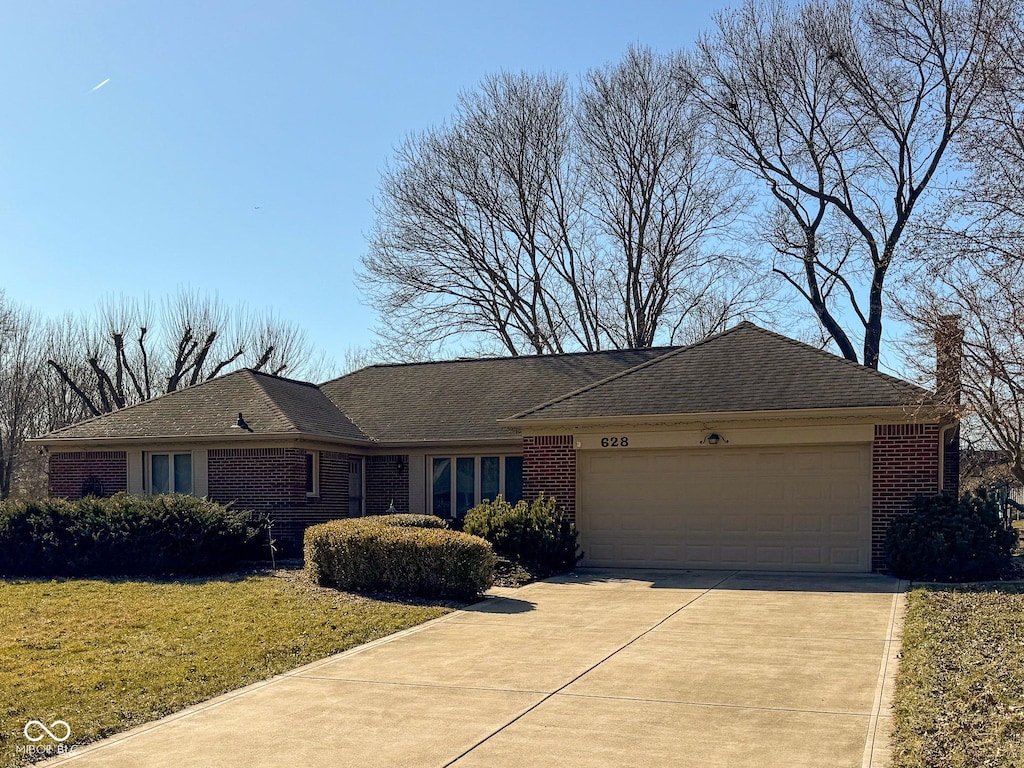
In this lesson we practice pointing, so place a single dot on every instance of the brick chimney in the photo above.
(949, 352)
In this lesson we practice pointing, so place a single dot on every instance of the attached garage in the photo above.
(745, 451)
(769, 508)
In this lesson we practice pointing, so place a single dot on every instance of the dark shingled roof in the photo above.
(743, 369)
(463, 399)
(269, 404)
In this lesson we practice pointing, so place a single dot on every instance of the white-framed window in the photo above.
(459, 483)
(312, 473)
(168, 473)
(356, 484)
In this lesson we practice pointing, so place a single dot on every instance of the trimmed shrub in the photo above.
(946, 539)
(121, 535)
(406, 520)
(539, 536)
(395, 553)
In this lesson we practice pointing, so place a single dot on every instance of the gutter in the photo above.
(876, 414)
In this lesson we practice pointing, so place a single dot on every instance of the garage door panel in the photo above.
(808, 523)
(770, 557)
(808, 556)
(794, 509)
(771, 523)
(734, 523)
(666, 554)
(770, 491)
(846, 523)
(702, 554)
(807, 461)
(770, 462)
(847, 491)
(851, 459)
(848, 556)
(734, 556)
(698, 523)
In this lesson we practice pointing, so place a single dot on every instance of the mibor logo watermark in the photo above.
(41, 731)
(56, 732)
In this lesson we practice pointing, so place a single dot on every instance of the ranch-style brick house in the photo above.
(748, 450)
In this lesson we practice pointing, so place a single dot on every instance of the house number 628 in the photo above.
(614, 442)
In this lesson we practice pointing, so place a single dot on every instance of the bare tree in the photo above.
(540, 221)
(980, 277)
(473, 218)
(21, 362)
(127, 352)
(846, 113)
(655, 192)
(988, 295)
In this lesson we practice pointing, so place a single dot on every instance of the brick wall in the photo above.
(260, 479)
(105, 470)
(549, 467)
(904, 464)
(385, 482)
(272, 481)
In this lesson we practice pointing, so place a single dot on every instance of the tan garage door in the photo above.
(765, 508)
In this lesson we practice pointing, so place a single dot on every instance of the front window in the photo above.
(355, 486)
(458, 483)
(170, 473)
(442, 487)
(312, 473)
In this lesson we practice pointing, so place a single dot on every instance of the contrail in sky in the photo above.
(96, 88)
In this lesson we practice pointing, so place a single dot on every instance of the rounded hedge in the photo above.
(539, 536)
(120, 535)
(411, 555)
(944, 538)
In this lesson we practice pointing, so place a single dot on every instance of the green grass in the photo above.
(107, 655)
(959, 699)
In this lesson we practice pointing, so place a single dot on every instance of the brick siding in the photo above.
(272, 481)
(70, 471)
(904, 464)
(549, 467)
(386, 482)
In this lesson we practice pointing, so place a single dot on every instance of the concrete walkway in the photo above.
(599, 668)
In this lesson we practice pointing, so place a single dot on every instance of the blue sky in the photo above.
(237, 146)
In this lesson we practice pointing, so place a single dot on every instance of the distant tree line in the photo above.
(59, 371)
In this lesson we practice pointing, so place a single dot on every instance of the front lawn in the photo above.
(106, 655)
(959, 698)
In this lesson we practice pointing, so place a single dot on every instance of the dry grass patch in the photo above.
(959, 699)
(107, 655)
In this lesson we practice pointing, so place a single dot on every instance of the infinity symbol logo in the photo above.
(46, 731)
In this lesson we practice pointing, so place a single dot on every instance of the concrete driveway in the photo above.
(599, 668)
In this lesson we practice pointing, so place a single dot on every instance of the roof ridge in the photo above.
(672, 352)
(666, 347)
(160, 396)
(274, 376)
(342, 411)
(273, 403)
